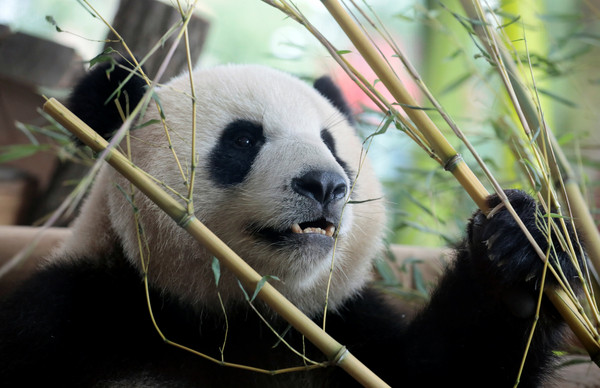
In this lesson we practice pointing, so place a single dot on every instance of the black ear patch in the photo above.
(329, 90)
(231, 159)
(89, 98)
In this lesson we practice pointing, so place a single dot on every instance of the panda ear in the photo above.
(329, 90)
(89, 100)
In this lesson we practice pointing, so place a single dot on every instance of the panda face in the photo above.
(276, 165)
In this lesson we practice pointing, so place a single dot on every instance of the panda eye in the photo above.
(244, 141)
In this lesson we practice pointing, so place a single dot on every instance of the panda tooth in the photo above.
(330, 230)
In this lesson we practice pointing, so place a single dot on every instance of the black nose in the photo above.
(322, 186)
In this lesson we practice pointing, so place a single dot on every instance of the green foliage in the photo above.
(216, 268)
(18, 151)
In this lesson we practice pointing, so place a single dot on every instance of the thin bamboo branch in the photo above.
(336, 353)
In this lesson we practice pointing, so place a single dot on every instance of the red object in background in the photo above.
(354, 95)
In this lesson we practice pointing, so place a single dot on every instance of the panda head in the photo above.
(275, 179)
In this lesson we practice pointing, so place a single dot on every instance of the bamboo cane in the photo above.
(336, 353)
(440, 145)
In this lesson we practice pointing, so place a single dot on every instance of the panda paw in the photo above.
(499, 245)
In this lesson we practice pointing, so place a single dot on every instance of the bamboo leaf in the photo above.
(425, 229)
(382, 129)
(243, 291)
(364, 201)
(537, 180)
(19, 151)
(384, 270)
(456, 83)
(566, 138)
(260, 285)
(50, 19)
(147, 123)
(157, 100)
(216, 268)
(104, 56)
(558, 98)
(29, 129)
(414, 107)
(127, 198)
(92, 14)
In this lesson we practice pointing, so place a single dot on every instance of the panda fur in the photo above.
(272, 152)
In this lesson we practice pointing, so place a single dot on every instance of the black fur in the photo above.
(84, 322)
(329, 90)
(90, 98)
(231, 159)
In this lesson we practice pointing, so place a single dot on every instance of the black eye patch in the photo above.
(231, 159)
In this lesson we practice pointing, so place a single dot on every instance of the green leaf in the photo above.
(147, 123)
(364, 201)
(537, 179)
(566, 138)
(414, 107)
(260, 285)
(18, 151)
(243, 290)
(216, 268)
(558, 98)
(385, 271)
(81, 3)
(342, 52)
(513, 20)
(456, 83)
(157, 100)
(128, 198)
(382, 129)
(104, 56)
(51, 20)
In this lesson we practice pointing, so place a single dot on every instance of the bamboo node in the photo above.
(339, 356)
(454, 161)
(185, 220)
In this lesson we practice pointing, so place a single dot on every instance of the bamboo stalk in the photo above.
(335, 352)
(440, 145)
(559, 297)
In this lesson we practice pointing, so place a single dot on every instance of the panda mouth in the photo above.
(321, 226)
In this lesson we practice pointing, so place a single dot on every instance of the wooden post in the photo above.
(142, 23)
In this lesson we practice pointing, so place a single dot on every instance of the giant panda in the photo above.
(280, 178)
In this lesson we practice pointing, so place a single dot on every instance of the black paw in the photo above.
(501, 249)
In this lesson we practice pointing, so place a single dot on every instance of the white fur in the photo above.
(292, 114)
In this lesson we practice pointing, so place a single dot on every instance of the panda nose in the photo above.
(322, 186)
